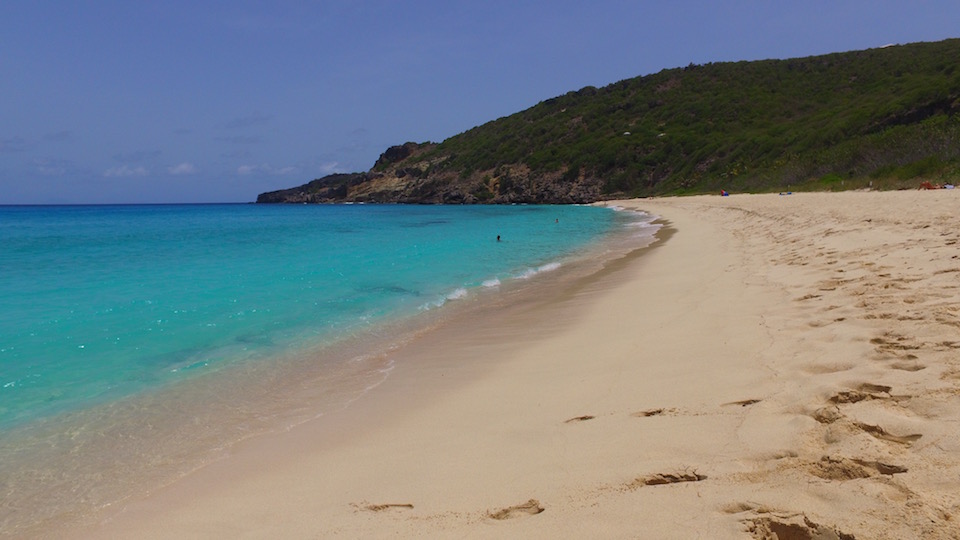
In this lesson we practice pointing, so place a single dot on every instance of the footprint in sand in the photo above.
(836, 468)
(841, 468)
(907, 366)
(583, 418)
(382, 507)
(870, 387)
(880, 316)
(661, 479)
(529, 508)
(882, 468)
(827, 415)
(865, 391)
(743, 402)
(797, 526)
(882, 434)
(655, 412)
(821, 324)
(891, 341)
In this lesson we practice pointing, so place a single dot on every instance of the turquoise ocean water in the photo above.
(100, 302)
(101, 306)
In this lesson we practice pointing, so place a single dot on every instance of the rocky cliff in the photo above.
(397, 177)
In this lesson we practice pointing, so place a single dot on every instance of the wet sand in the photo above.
(778, 365)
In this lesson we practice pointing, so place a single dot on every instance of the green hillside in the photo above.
(883, 117)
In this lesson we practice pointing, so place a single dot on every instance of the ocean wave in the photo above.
(530, 272)
(458, 294)
(648, 227)
(491, 283)
(432, 305)
(641, 225)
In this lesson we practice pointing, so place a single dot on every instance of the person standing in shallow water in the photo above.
(498, 238)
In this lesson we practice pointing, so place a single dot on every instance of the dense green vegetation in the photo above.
(880, 117)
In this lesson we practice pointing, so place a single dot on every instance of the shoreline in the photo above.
(107, 459)
(782, 363)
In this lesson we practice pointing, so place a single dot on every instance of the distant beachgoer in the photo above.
(498, 238)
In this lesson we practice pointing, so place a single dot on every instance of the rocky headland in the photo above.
(395, 178)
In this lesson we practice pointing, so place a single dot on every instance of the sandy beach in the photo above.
(775, 365)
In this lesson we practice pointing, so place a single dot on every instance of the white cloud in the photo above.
(126, 170)
(181, 169)
(329, 168)
(266, 169)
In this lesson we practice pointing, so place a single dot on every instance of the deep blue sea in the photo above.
(139, 342)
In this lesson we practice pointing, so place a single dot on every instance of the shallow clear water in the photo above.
(138, 343)
(102, 302)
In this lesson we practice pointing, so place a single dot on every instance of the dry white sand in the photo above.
(779, 365)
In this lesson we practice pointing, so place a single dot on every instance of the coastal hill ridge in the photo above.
(884, 118)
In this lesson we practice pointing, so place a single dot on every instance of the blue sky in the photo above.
(129, 102)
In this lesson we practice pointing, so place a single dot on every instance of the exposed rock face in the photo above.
(394, 179)
(327, 189)
(395, 154)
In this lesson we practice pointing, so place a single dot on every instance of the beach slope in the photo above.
(783, 365)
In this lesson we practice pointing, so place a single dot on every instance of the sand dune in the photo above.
(781, 365)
